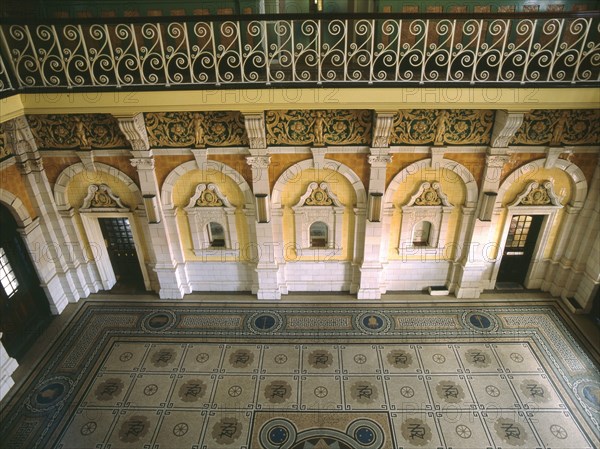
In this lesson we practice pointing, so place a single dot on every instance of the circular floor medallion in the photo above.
(159, 321)
(265, 322)
(50, 393)
(373, 322)
(480, 321)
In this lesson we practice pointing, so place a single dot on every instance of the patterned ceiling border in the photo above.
(84, 131)
(196, 129)
(556, 127)
(327, 127)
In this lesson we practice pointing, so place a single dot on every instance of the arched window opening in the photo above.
(216, 235)
(318, 235)
(421, 233)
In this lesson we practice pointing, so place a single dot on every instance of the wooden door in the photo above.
(24, 309)
(519, 247)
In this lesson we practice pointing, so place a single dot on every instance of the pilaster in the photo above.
(172, 281)
(473, 261)
(61, 272)
(371, 268)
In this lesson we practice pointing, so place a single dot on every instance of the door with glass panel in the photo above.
(24, 309)
(122, 252)
(518, 248)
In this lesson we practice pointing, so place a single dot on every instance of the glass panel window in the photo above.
(517, 233)
(7, 276)
(216, 235)
(318, 235)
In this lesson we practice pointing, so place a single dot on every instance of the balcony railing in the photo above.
(300, 50)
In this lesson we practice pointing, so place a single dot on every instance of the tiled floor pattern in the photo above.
(134, 377)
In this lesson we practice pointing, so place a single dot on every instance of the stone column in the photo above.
(61, 273)
(371, 268)
(172, 279)
(267, 269)
(473, 261)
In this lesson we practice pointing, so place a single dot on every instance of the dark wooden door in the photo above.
(519, 247)
(122, 252)
(24, 309)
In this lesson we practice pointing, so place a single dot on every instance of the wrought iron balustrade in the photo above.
(302, 50)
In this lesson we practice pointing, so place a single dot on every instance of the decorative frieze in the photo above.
(195, 129)
(84, 131)
(556, 127)
(453, 127)
(5, 149)
(318, 128)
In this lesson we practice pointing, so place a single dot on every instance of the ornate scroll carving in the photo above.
(456, 127)
(100, 196)
(195, 129)
(5, 149)
(572, 127)
(318, 194)
(83, 131)
(429, 194)
(300, 127)
(537, 194)
(208, 195)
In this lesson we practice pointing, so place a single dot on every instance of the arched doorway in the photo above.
(24, 310)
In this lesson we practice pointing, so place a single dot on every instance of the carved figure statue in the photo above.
(81, 134)
(440, 125)
(198, 131)
(318, 129)
(559, 129)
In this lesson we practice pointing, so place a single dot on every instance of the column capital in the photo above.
(258, 162)
(380, 160)
(143, 163)
(20, 138)
(496, 160)
(28, 166)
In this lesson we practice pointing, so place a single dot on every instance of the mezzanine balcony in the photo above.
(550, 49)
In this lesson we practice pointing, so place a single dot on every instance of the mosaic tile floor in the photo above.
(206, 376)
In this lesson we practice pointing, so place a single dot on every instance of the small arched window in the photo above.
(216, 235)
(421, 232)
(318, 235)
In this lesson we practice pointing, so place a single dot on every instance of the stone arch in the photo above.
(16, 208)
(461, 171)
(344, 170)
(172, 178)
(65, 177)
(578, 182)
